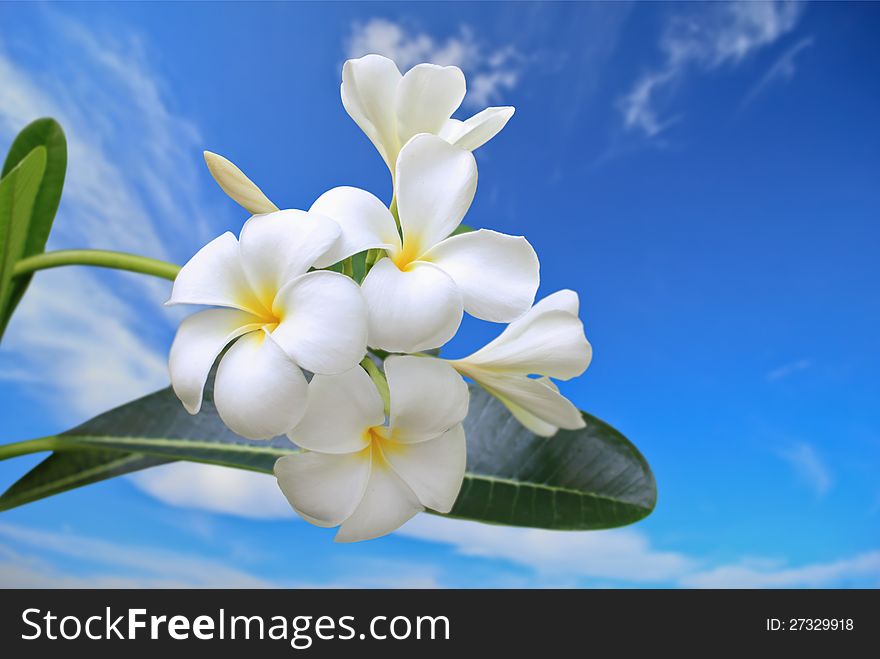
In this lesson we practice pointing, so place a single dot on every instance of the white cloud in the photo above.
(625, 556)
(215, 489)
(114, 565)
(783, 69)
(491, 72)
(612, 557)
(637, 107)
(620, 554)
(809, 466)
(89, 339)
(34, 558)
(717, 35)
(861, 567)
(789, 369)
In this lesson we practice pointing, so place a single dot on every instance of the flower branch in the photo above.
(98, 258)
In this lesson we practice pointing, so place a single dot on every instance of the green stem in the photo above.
(50, 443)
(97, 257)
(348, 268)
(372, 256)
(381, 383)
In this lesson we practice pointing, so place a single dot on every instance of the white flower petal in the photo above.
(323, 324)
(413, 310)
(452, 130)
(199, 339)
(364, 220)
(387, 503)
(551, 343)
(427, 397)
(369, 86)
(477, 130)
(277, 247)
(538, 406)
(497, 274)
(259, 392)
(564, 300)
(434, 470)
(436, 183)
(530, 421)
(426, 97)
(340, 410)
(325, 489)
(214, 277)
(238, 186)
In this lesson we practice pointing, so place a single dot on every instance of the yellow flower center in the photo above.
(404, 258)
(381, 439)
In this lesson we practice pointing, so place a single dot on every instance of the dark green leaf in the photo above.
(68, 470)
(587, 479)
(45, 133)
(592, 478)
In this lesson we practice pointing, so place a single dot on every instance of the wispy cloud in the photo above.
(610, 558)
(787, 370)
(111, 564)
(809, 467)
(713, 36)
(626, 556)
(82, 336)
(783, 69)
(36, 558)
(850, 571)
(491, 71)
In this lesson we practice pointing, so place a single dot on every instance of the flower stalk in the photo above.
(379, 379)
(98, 258)
(39, 445)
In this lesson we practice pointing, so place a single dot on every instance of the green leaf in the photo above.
(462, 228)
(592, 478)
(18, 190)
(68, 470)
(45, 133)
(586, 479)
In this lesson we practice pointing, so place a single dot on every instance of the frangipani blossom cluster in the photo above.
(297, 339)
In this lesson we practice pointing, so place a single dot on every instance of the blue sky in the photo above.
(704, 175)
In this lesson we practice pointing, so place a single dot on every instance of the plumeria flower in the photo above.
(417, 295)
(391, 108)
(548, 342)
(370, 476)
(278, 317)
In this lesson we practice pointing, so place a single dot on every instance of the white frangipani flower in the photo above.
(279, 318)
(548, 341)
(370, 476)
(417, 295)
(391, 108)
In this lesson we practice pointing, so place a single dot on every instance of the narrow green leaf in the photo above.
(587, 479)
(18, 190)
(71, 469)
(45, 133)
(462, 228)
